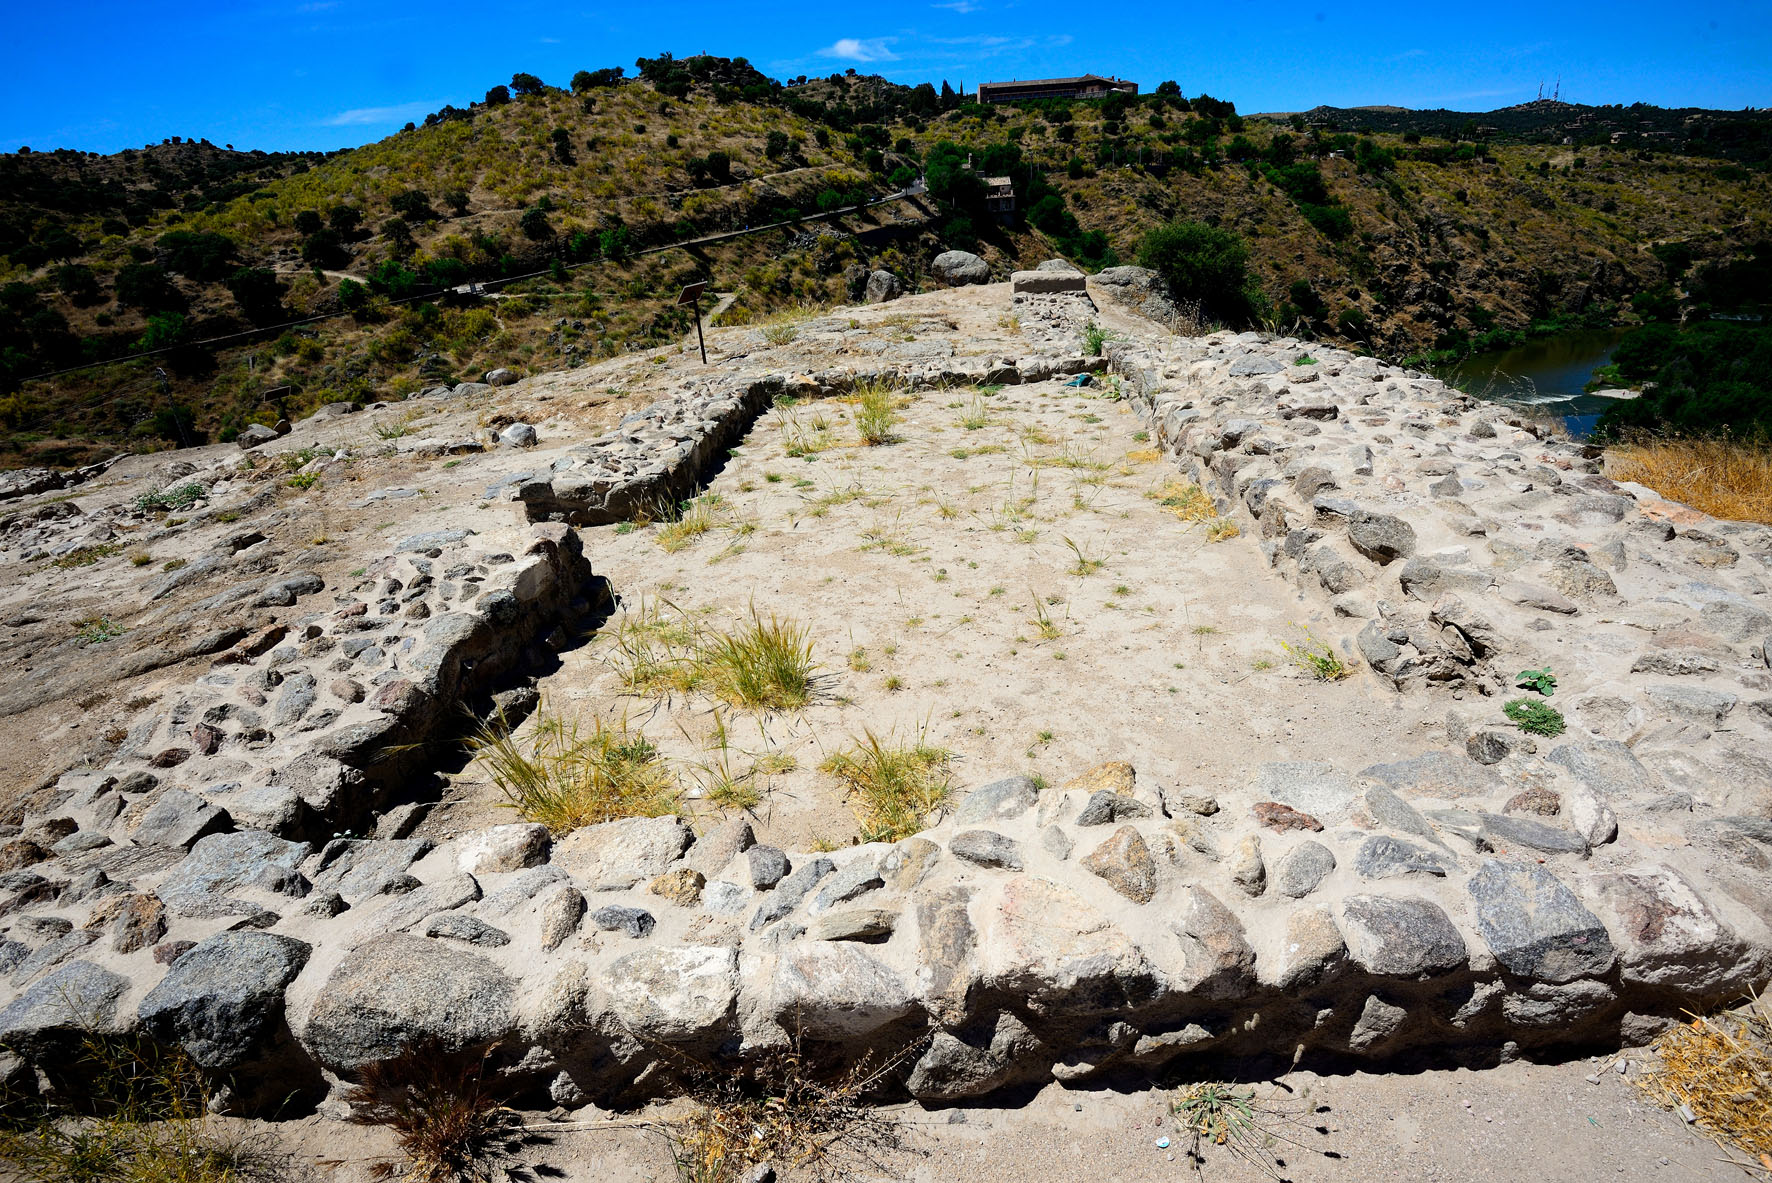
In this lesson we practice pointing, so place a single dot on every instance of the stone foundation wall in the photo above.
(1491, 895)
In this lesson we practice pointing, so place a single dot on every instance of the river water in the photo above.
(1546, 372)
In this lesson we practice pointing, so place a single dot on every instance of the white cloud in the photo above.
(364, 116)
(855, 49)
(963, 7)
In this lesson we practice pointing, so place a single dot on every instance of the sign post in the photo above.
(691, 296)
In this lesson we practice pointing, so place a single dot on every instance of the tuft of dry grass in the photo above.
(564, 779)
(896, 786)
(762, 665)
(1717, 1073)
(1725, 478)
(876, 412)
(450, 1122)
(775, 1108)
(143, 1118)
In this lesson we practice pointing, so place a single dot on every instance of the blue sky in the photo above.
(336, 73)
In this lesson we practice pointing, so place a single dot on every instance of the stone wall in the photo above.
(1488, 896)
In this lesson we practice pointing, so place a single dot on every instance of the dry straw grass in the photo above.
(563, 778)
(1724, 478)
(776, 1109)
(450, 1123)
(143, 1118)
(761, 665)
(1719, 1069)
(896, 786)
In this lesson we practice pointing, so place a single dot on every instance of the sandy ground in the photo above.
(916, 567)
(1520, 1121)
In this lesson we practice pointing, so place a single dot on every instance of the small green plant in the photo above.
(1094, 337)
(1315, 657)
(303, 480)
(96, 630)
(1043, 622)
(1534, 717)
(140, 558)
(977, 416)
(626, 527)
(763, 665)
(780, 334)
(86, 556)
(896, 786)
(1305, 360)
(1543, 681)
(177, 497)
(391, 431)
(1084, 565)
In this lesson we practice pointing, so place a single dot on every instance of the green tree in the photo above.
(77, 282)
(498, 96)
(352, 296)
(1201, 262)
(147, 286)
(197, 254)
(775, 146)
(345, 219)
(306, 222)
(166, 330)
(258, 293)
(526, 84)
(535, 224)
(323, 248)
(456, 200)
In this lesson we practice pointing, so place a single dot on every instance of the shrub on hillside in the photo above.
(199, 255)
(148, 287)
(1201, 262)
(498, 96)
(526, 84)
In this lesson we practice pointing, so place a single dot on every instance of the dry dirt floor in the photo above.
(1522, 1121)
(1002, 579)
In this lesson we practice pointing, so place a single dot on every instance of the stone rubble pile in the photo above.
(1497, 894)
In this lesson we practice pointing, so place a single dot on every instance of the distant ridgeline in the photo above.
(1742, 136)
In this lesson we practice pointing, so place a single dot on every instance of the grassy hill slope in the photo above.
(1401, 241)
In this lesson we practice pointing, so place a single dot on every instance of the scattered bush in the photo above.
(1201, 262)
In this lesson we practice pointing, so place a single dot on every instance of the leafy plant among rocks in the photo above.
(1542, 681)
(1534, 717)
(1261, 1131)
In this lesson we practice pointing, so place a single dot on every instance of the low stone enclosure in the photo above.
(1497, 894)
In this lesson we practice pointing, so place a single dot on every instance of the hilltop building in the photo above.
(1087, 86)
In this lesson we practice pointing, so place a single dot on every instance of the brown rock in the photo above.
(682, 886)
(1281, 818)
(1541, 801)
(20, 852)
(135, 921)
(347, 689)
(398, 697)
(171, 951)
(170, 758)
(1125, 862)
(205, 739)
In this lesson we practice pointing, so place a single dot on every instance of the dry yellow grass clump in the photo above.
(1724, 478)
(1718, 1071)
(563, 778)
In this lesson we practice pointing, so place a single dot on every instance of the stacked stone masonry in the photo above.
(1490, 895)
